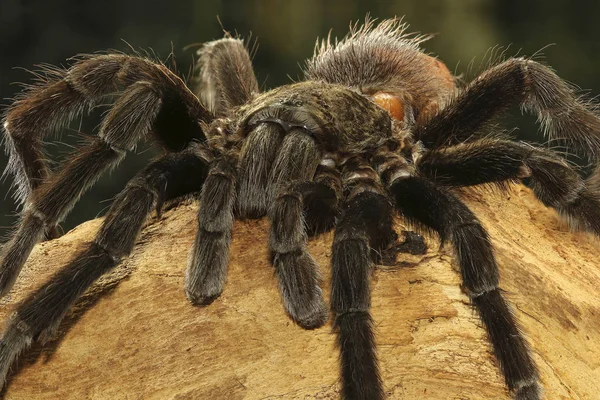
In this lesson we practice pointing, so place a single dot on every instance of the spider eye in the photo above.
(390, 103)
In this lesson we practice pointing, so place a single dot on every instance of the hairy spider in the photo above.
(377, 127)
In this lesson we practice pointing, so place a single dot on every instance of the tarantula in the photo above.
(377, 127)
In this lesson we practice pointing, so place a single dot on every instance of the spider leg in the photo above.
(518, 81)
(257, 155)
(553, 181)
(207, 267)
(272, 157)
(39, 315)
(422, 202)
(366, 224)
(302, 206)
(62, 95)
(226, 77)
(320, 199)
(297, 160)
(142, 107)
(264, 163)
(55, 197)
(49, 204)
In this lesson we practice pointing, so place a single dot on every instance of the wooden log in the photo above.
(135, 336)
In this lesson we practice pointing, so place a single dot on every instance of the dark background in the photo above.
(51, 31)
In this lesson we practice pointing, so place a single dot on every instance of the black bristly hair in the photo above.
(377, 128)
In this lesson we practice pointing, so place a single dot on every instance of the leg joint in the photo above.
(115, 258)
(482, 292)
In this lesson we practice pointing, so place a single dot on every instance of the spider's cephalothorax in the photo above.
(377, 127)
(329, 122)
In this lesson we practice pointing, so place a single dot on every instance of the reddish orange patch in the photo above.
(441, 70)
(390, 103)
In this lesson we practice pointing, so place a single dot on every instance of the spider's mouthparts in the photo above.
(287, 117)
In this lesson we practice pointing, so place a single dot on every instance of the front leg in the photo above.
(301, 209)
(209, 258)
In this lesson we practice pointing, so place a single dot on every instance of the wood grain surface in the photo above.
(135, 336)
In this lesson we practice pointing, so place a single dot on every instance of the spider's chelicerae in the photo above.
(376, 128)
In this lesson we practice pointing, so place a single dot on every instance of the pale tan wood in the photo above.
(141, 339)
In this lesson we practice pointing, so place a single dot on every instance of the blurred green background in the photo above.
(51, 31)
